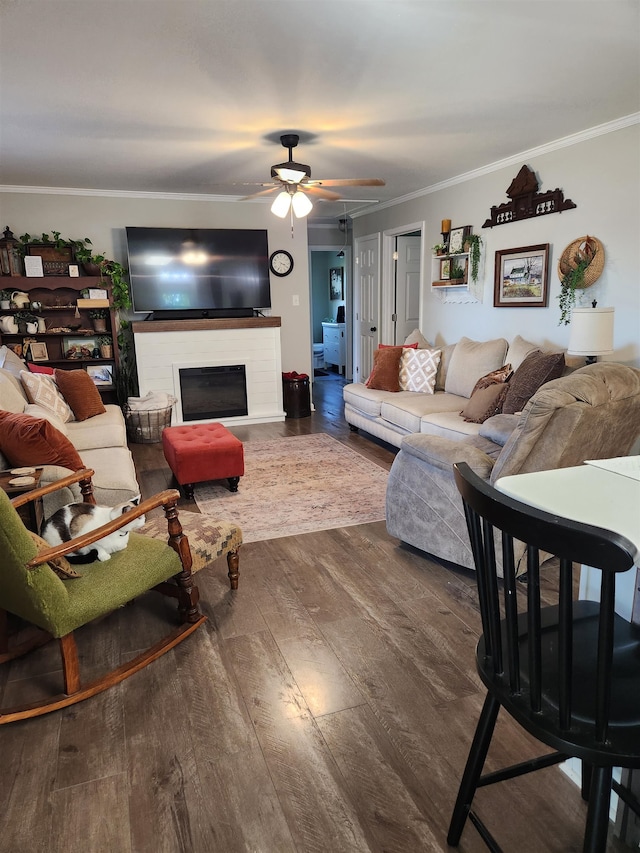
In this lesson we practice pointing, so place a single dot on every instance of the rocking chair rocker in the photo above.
(31, 589)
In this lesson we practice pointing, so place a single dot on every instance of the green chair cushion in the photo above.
(57, 606)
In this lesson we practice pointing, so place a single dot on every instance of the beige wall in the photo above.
(104, 218)
(602, 176)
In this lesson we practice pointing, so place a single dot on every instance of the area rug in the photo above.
(297, 485)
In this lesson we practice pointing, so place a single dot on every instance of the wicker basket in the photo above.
(578, 250)
(145, 426)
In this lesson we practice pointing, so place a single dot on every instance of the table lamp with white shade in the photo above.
(591, 332)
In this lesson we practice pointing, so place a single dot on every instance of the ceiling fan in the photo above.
(295, 184)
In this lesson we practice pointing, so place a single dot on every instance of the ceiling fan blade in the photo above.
(347, 182)
(260, 193)
(319, 193)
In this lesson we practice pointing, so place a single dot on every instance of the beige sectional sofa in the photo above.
(392, 415)
(101, 442)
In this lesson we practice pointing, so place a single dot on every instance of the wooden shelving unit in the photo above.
(59, 296)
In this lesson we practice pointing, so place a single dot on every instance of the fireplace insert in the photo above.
(208, 393)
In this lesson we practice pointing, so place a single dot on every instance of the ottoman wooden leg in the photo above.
(233, 560)
(188, 491)
(233, 483)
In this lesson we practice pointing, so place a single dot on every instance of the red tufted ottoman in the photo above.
(199, 452)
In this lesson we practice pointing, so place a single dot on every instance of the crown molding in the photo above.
(83, 191)
(515, 159)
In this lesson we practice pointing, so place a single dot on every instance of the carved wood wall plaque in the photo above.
(526, 202)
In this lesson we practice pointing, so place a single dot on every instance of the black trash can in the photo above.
(296, 395)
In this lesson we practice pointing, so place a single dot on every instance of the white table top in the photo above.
(586, 493)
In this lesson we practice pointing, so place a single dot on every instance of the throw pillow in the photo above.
(518, 350)
(10, 361)
(535, 370)
(414, 345)
(39, 368)
(470, 361)
(502, 374)
(42, 389)
(418, 369)
(80, 392)
(25, 440)
(416, 337)
(60, 565)
(485, 403)
(385, 374)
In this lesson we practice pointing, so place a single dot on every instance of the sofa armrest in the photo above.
(443, 452)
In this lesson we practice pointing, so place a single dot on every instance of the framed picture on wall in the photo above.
(336, 283)
(521, 277)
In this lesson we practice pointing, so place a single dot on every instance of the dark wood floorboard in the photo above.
(327, 706)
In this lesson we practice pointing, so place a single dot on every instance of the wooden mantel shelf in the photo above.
(206, 325)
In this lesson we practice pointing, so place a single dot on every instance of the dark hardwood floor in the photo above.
(326, 706)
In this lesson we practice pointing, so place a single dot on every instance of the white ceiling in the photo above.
(190, 96)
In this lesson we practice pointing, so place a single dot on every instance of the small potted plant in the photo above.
(106, 346)
(457, 272)
(5, 300)
(27, 322)
(439, 249)
(98, 316)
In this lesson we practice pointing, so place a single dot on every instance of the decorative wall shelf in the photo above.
(526, 202)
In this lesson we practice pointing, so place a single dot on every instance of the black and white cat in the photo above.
(75, 519)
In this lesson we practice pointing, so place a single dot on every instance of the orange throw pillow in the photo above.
(25, 440)
(385, 373)
(80, 392)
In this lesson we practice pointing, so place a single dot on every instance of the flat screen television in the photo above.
(198, 272)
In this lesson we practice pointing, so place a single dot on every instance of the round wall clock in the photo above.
(280, 262)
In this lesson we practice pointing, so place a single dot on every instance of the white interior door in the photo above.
(407, 307)
(366, 305)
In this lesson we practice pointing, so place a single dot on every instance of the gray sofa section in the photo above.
(592, 413)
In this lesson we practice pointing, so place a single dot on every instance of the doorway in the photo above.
(403, 289)
(329, 276)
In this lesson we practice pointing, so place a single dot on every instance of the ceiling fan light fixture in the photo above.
(301, 204)
(281, 204)
(290, 176)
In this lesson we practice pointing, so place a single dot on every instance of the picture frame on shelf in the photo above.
(38, 351)
(76, 349)
(101, 374)
(54, 261)
(97, 293)
(457, 237)
(445, 269)
(336, 283)
(521, 277)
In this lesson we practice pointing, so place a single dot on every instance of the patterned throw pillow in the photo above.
(418, 369)
(502, 374)
(41, 389)
(60, 565)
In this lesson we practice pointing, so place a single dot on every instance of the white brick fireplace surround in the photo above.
(163, 347)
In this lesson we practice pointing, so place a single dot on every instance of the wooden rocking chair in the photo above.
(31, 589)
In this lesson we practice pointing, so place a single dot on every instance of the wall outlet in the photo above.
(296, 299)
